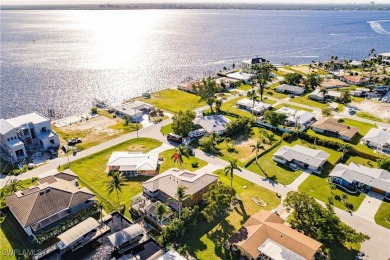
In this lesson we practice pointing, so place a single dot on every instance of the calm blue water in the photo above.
(61, 59)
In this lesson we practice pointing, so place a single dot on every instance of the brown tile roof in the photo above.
(331, 124)
(266, 225)
(66, 175)
(36, 203)
(171, 179)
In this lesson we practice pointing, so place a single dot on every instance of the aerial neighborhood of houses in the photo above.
(211, 170)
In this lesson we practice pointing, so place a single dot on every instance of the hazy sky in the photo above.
(22, 2)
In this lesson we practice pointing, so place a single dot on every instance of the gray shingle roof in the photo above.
(212, 123)
(303, 154)
(377, 178)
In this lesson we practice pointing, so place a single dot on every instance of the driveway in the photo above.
(370, 206)
(298, 181)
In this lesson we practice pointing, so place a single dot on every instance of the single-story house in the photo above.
(246, 77)
(297, 117)
(171, 255)
(382, 89)
(290, 89)
(331, 127)
(228, 82)
(354, 80)
(43, 206)
(318, 96)
(301, 156)
(372, 95)
(213, 123)
(362, 177)
(187, 86)
(377, 139)
(258, 108)
(356, 63)
(134, 111)
(384, 57)
(134, 163)
(246, 65)
(333, 83)
(265, 236)
(164, 186)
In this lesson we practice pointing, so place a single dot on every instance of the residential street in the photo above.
(376, 248)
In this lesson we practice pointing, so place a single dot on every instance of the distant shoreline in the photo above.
(132, 6)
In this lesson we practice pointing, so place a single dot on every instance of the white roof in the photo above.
(212, 123)
(292, 114)
(278, 252)
(377, 178)
(171, 255)
(259, 105)
(5, 127)
(290, 88)
(78, 231)
(303, 154)
(34, 118)
(125, 235)
(133, 108)
(377, 136)
(355, 63)
(133, 161)
(169, 181)
(15, 143)
(332, 93)
(240, 76)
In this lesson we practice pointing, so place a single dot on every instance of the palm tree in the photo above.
(346, 97)
(181, 197)
(344, 148)
(218, 104)
(252, 95)
(230, 169)
(116, 183)
(256, 147)
(323, 91)
(266, 135)
(178, 155)
(14, 186)
(100, 207)
(161, 211)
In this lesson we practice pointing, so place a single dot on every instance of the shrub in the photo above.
(330, 200)
(195, 164)
(122, 208)
(94, 110)
(337, 197)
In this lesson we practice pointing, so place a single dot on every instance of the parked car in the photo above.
(292, 96)
(197, 133)
(351, 111)
(174, 137)
(294, 167)
(74, 141)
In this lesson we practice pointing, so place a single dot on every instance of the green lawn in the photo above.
(174, 100)
(245, 87)
(293, 107)
(230, 106)
(206, 240)
(359, 160)
(166, 129)
(92, 170)
(369, 116)
(187, 162)
(305, 100)
(382, 216)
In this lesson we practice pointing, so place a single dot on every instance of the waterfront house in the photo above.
(213, 123)
(29, 132)
(318, 96)
(265, 236)
(384, 57)
(330, 83)
(164, 186)
(134, 111)
(258, 107)
(362, 177)
(300, 118)
(245, 77)
(290, 89)
(377, 139)
(134, 163)
(331, 127)
(303, 157)
(187, 86)
(47, 204)
(128, 238)
(247, 65)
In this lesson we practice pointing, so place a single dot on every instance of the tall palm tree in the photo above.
(252, 95)
(14, 185)
(178, 155)
(181, 197)
(100, 207)
(161, 209)
(116, 183)
(230, 170)
(256, 147)
(344, 148)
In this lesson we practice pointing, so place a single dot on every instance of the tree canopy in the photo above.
(313, 80)
(218, 200)
(319, 223)
(292, 78)
(207, 89)
(274, 119)
(384, 163)
(182, 122)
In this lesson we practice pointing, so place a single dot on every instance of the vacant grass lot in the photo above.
(305, 100)
(369, 116)
(187, 162)
(206, 240)
(92, 169)
(293, 107)
(174, 100)
(382, 216)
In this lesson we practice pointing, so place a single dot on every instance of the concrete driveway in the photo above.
(370, 206)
